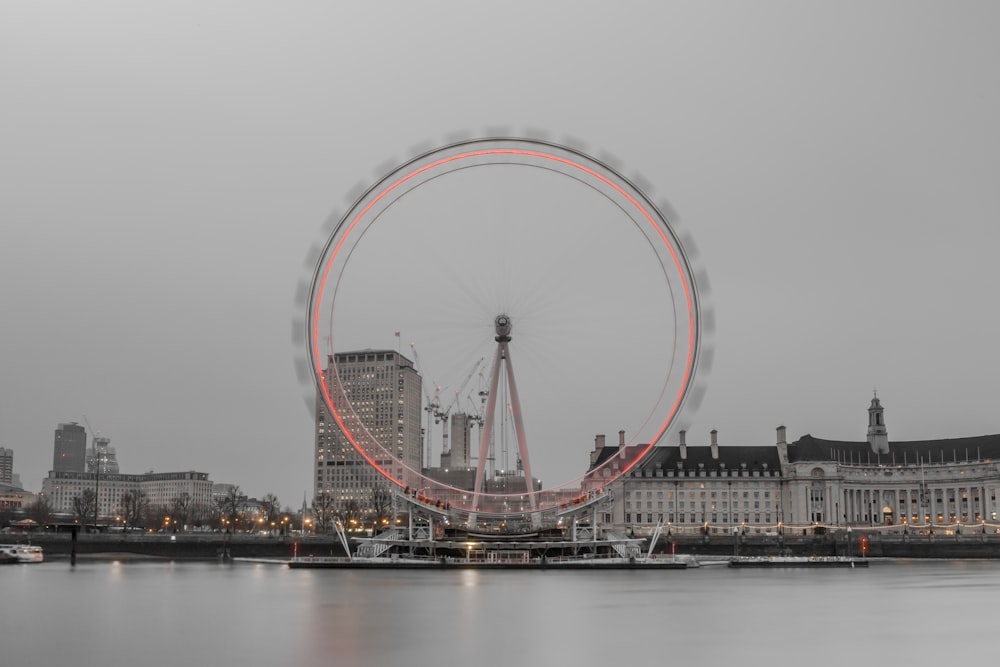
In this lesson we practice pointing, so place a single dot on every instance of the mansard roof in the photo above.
(731, 457)
(605, 453)
(946, 450)
(699, 457)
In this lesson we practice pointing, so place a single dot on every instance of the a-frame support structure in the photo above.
(502, 358)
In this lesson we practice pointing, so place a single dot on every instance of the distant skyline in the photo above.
(167, 168)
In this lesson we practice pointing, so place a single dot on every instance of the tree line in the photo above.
(373, 511)
(232, 511)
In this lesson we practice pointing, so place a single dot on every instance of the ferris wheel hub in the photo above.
(503, 325)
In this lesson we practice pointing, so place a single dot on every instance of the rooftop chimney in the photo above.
(683, 445)
(598, 446)
(621, 438)
(782, 446)
(715, 444)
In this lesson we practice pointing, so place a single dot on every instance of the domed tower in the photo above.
(878, 438)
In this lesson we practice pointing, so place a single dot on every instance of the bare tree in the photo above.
(229, 507)
(323, 508)
(381, 505)
(157, 515)
(271, 505)
(180, 509)
(211, 514)
(151, 515)
(41, 511)
(84, 505)
(133, 504)
(203, 514)
(350, 513)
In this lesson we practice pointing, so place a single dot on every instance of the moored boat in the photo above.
(21, 553)
(797, 561)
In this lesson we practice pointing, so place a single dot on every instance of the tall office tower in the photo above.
(384, 390)
(70, 452)
(6, 466)
(103, 454)
(461, 436)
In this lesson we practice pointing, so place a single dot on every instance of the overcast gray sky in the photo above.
(166, 167)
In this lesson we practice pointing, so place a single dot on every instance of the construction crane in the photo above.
(475, 412)
(478, 416)
(90, 429)
(432, 403)
(97, 469)
(443, 414)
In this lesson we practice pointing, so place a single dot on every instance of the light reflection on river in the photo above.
(184, 613)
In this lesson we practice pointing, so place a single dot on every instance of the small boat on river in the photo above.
(797, 561)
(21, 553)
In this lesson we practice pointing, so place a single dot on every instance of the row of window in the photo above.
(723, 505)
(696, 494)
(695, 517)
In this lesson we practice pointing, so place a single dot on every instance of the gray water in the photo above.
(148, 614)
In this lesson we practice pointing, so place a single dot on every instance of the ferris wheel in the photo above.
(541, 258)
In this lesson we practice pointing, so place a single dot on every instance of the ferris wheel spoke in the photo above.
(532, 230)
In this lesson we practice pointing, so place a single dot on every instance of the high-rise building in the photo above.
(384, 390)
(6, 466)
(70, 451)
(101, 458)
(461, 440)
(459, 450)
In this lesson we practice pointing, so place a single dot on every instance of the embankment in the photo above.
(219, 545)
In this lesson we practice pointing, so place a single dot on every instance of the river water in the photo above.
(150, 613)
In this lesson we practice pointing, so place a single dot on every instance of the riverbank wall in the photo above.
(857, 543)
(203, 546)
(181, 546)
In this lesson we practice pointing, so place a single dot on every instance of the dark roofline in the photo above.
(948, 450)
(699, 457)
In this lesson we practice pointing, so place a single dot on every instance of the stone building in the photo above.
(695, 487)
(923, 483)
(950, 484)
(160, 489)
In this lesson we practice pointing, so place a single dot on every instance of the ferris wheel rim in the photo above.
(624, 187)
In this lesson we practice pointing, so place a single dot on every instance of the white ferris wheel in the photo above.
(495, 255)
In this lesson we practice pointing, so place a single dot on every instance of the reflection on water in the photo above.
(153, 613)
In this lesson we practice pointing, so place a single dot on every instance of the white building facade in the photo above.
(159, 489)
(946, 483)
(949, 485)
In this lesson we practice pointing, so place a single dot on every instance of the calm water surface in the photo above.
(154, 613)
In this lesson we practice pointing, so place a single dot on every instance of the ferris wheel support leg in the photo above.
(487, 432)
(522, 443)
